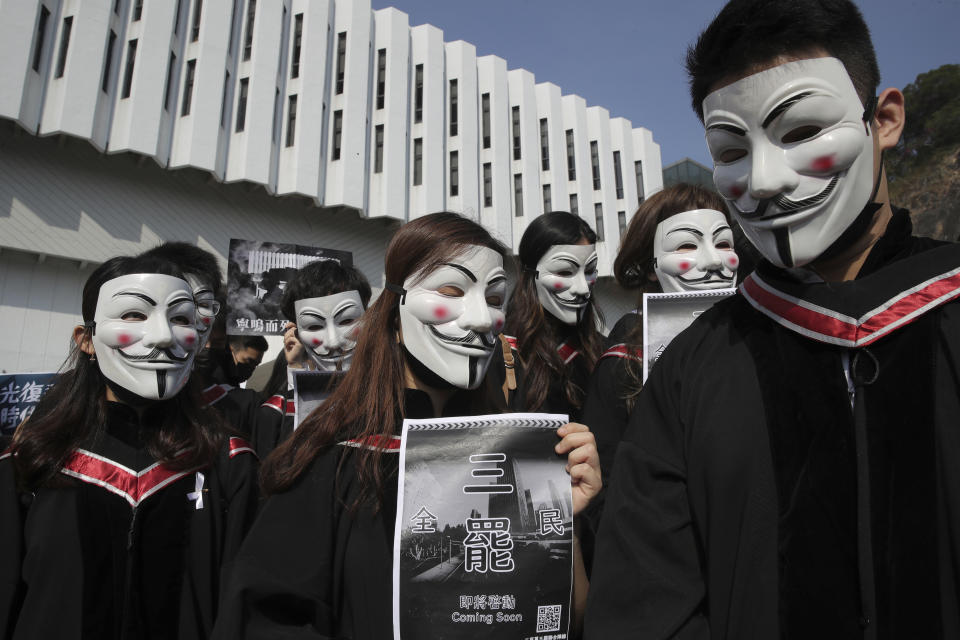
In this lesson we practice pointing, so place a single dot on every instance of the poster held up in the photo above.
(665, 315)
(483, 542)
(19, 395)
(310, 390)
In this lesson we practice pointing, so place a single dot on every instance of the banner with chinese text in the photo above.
(484, 533)
(257, 273)
(665, 315)
(19, 395)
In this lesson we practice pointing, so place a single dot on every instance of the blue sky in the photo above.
(627, 55)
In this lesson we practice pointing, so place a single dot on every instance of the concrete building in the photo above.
(125, 123)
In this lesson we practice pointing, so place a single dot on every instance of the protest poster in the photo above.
(19, 395)
(257, 273)
(483, 542)
(310, 390)
(665, 315)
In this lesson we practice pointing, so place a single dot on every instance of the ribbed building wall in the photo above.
(321, 98)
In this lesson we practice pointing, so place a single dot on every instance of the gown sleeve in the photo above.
(268, 425)
(11, 547)
(279, 583)
(647, 581)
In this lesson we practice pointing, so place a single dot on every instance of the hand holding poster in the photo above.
(665, 315)
(484, 534)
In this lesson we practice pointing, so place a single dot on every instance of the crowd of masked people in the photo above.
(789, 469)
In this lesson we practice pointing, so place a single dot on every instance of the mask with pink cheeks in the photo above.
(327, 327)
(693, 250)
(565, 277)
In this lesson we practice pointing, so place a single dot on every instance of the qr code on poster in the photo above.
(548, 618)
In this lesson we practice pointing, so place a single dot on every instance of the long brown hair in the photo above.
(538, 333)
(74, 409)
(633, 267)
(369, 401)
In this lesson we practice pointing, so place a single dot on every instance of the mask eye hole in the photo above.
(180, 321)
(495, 300)
(451, 291)
(723, 244)
(347, 321)
(134, 316)
(800, 134)
(566, 273)
(687, 246)
(731, 155)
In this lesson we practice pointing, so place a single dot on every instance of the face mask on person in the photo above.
(694, 250)
(144, 334)
(327, 327)
(565, 277)
(207, 306)
(793, 157)
(450, 317)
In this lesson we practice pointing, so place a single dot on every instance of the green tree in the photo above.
(933, 119)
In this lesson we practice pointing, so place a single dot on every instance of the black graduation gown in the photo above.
(755, 497)
(308, 568)
(556, 400)
(273, 423)
(237, 406)
(110, 555)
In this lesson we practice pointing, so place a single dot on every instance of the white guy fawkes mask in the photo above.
(792, 156)
(450, 317)
(207, 306)
(145, 336)
(327, 327)
(565, 275)
(694, 250)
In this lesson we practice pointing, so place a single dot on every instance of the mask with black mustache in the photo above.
(693, 250)
(145, 334)
(565, 277)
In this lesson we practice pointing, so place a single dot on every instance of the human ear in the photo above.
(83, 339)
(889, 118)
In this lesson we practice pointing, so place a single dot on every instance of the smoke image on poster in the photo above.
(484, 534)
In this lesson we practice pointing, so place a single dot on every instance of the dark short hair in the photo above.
(549, 229)
(748, 34)
(323, 278)
(242, 342)
(192, 261)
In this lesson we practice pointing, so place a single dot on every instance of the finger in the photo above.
(586, 478)
(585, 454)
(571, 427)
(574, 440)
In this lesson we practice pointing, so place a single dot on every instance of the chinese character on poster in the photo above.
(484, 535)
(257, 273)
(665, 315)
(19, 395)
(310, 390)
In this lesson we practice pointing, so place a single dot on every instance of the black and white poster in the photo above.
(310, 390)
(665, 315)
(257, 273)
(19, 395)
(484, 534)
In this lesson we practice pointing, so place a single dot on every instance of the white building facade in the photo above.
(311, 121)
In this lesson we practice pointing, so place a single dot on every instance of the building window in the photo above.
(378, 149)
(454, 173)
(64, 45)
(517, 195)
(223, 101)
(337, 133)
(341, 60)
(137, 10)
(574, 208)
(598, 220)
(248, 36)
(116, 7)
(168, 87)
(40, 37)
(485, 119)
(571, 157)
(188, 87)
(242, 105)
(618, 174)
(487, 185)
(595, 164)
(638, 168)
(233, 32)
(547, 199)
(544, 145)
(515, 116)
(454, 108)
(108, 63)
(297, 43)
(291, 119)
(417, 161)
(128, 71)
(622, 221)
(381, 77)
(418, 94)
(277, 116)
(197, 10)
(176, 18)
